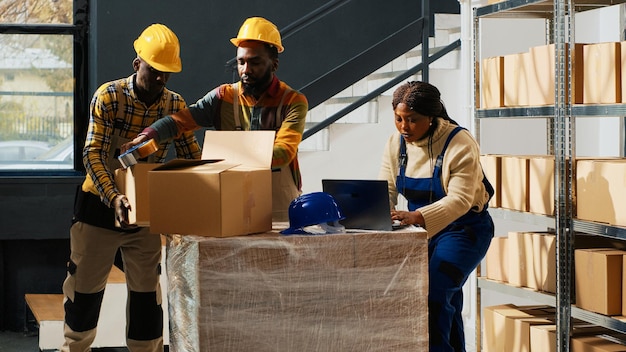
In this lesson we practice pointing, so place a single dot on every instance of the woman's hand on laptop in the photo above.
(408, 217)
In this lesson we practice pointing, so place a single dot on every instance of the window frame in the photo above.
(79, 30)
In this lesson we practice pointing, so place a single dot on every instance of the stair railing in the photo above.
(378, 91)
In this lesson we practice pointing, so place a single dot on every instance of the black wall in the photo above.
(35, 212)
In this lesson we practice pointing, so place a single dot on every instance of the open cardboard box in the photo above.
(227, 193)
(133, 182)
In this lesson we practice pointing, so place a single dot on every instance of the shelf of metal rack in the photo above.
(550, 299)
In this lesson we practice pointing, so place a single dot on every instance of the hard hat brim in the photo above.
(237, 41)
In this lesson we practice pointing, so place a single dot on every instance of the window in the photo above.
(40, 41)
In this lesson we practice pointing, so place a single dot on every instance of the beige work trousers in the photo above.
(93, 252)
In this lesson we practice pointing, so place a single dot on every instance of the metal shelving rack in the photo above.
(559, 16)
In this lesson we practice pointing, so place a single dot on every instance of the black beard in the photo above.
(257, 88)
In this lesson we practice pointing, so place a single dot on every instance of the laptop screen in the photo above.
(364, 203)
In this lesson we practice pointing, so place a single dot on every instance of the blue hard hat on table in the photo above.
(312, 209)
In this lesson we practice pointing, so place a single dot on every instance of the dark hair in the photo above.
(272, 51)
(421, 97)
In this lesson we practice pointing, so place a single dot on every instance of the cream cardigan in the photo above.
(462, 174)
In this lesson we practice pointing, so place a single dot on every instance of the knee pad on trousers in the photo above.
(83, 312)
(145, 316)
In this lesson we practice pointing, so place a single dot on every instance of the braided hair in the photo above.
(423, 98)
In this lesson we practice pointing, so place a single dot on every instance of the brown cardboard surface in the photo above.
(515, 182)
(499, 331)
(228, 193)
(602, 71)
(518, 337)
(492, 166)
(492, 82)
(520, 260)
(595, 343)
(600, 190)
(598, 280)
(623, 69)
(544, 261)
(541, 184)
(624, 287)
(133, 182)
(516, 79)
(496, 259)
(541, 73)
(267, 292)
(543, 337)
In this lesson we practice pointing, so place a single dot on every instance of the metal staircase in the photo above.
(446, 32)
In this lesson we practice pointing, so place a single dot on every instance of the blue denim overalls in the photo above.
(453, 253)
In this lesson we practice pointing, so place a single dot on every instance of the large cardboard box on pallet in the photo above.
(228, 193)
(268, 292)
(133, 182)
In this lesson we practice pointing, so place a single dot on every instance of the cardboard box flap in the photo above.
(184, 163)
(250, 148)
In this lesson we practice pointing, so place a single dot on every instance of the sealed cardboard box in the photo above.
(267, 292)
(598, 280)
(133, 182)
(497, 259)
(622, 47)
(516, 79)
(602, 70)
(500, 332)
(543, 337)
(520, 259)
(492, 82)
(544, 261)
(514, 186)
(541, 184)
(598, 343)
(492, 167)
(518, 338)
(600, 190)
(541, 72)
(214, 197)
(624, 287)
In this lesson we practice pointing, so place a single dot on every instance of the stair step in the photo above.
(45, 307)
(49, 314)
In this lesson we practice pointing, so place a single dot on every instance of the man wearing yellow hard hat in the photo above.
(259, 101)
(119, 110)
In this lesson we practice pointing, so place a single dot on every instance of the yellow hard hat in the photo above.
(158, 46)
(258, 28)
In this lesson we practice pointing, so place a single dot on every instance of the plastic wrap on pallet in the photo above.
(267, 292)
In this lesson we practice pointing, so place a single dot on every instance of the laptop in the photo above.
(364, 203)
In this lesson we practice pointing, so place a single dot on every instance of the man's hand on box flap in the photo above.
(122, 206)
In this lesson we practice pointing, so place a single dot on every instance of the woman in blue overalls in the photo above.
(435, 165)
